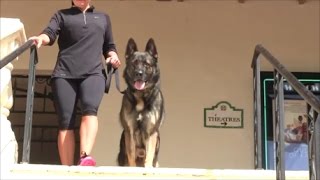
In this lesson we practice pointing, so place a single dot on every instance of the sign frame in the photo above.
(224, 120)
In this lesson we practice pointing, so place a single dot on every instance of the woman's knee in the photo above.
(91, 97)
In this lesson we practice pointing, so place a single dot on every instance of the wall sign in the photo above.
(223, 115)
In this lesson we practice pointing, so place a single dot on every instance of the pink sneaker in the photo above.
(86, 161)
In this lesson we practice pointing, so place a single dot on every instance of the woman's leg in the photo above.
(66, 146)
(65, 100)
(88, 132)
(91, 93)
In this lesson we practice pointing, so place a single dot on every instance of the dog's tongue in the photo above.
(139, 85)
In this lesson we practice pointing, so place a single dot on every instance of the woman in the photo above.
(84, 35)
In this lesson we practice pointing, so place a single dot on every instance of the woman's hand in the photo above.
(40, 40)
(113, 59)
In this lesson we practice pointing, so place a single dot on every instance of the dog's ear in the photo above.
(131, 48)
(151, 48)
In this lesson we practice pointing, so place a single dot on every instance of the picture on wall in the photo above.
(295, 136)
(295, 121)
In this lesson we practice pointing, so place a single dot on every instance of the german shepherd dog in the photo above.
(142, 110)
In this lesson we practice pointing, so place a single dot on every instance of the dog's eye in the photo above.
(135, 62)
(147, 65)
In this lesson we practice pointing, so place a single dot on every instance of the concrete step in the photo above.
(41, 171)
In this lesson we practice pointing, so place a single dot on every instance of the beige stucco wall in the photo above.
(205, 50)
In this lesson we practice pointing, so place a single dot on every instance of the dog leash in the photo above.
(116, 73)
(109, 71)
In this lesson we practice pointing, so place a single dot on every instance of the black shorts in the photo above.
(67, 92)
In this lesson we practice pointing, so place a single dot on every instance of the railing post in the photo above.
(257, 114)
(313, 143)
(317, 145)
(279, 125)
(29, 105)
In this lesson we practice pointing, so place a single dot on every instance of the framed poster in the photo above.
(295, 117)
(295, 121)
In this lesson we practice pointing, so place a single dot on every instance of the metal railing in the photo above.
(30, 92)
(313, 111)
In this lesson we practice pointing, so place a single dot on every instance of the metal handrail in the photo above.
(307, 95)
(30, 92)
(313, 103)
(14, 54)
